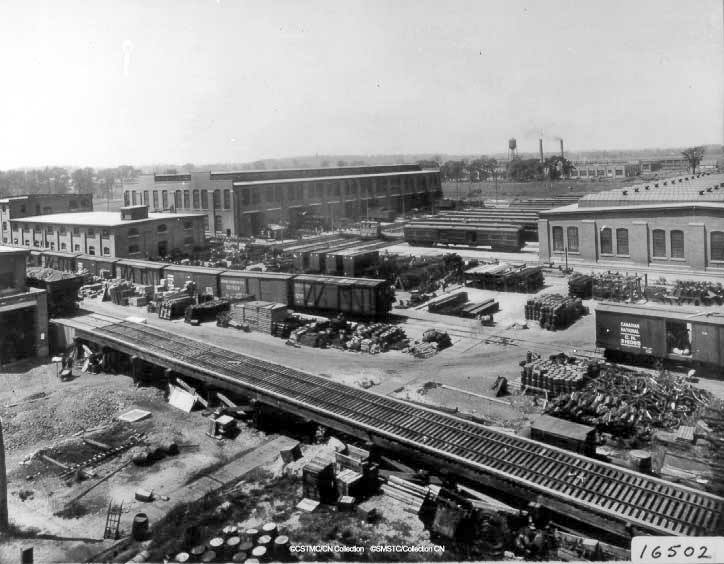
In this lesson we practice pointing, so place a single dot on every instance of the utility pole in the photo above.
(4, 523)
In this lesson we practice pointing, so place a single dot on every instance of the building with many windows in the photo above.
(16, 207)
(672, 223)
(132, 233)
(610, 169)
(246, 202)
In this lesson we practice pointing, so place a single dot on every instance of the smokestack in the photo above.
(563, 156)
(540, 148)
(4, 524)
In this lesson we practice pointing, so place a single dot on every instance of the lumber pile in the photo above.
(370, 338)
(557, 374)
(259, 315)
(410, 494)
(580, 286)
(506, 277)
(631, 404)
(554, 311)
(474, 310)
(450, 303)
(614, 286)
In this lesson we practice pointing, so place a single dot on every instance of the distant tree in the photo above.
(483, 168)
(428, 164)
(523, 170)
(694, 156)
(188, 167)
(558, 167)
(341, 163)
(324, 164)
(258, 165)
(453, 170)
(83, 179)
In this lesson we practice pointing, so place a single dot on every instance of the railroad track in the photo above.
(616, 493)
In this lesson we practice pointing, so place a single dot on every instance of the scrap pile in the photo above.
(207, 311)
(580, 286)
(554, 311)
(506, 277)
(372, 338)
(557, 374)
(412, 495)
(422, 273)
(432, 342)
(614, 286)
(627, 404)
(686, 292)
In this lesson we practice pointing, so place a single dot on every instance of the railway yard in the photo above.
(339, 387)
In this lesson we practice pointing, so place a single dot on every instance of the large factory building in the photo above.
(245, 203)
(673, 223)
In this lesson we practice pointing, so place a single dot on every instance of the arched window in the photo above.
(717, 245)
(106, 251)
(606, 241)
(622, 241)
(557, 238)
(161, 228)
(204, 199)
(572, 233)
(658, 248)
(677, 244)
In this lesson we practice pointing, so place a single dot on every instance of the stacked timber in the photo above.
(258, 315)
(344, 335)
(474, 310)
(120, 291)
(448, 303)
(410, 494)
(554, 311)
(558, 374)
(207, 311)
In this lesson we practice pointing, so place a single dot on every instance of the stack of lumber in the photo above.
(627, 404)
(120, 291)
(364, 337)
(424, 350)
(554, 311)
(448, 303)
(258, 315)
(486, 307)
(506, 277)
(409, 493)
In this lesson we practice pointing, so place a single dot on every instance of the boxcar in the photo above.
(264, 286)
(204, 278)
(564, 434)
(94, 264)
(318, 259)
(141, 271)
(499, 237)
(67, 262)
(354, 296)
(638, 333)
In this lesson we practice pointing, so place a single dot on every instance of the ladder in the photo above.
(113, 521)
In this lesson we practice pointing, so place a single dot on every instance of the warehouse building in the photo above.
(607, 169)
(132, 233)
(16, 207)
(673, 223)
(247, 202)
(23, 310)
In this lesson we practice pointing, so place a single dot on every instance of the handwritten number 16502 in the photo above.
(673, 552)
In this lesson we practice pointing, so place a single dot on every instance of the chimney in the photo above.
(3, 487)
(563, 155)
(540, 148)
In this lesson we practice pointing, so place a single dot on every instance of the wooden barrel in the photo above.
(246, 546)
(182, 557)
(259, 552)
(269, 529)
(230, 531)
(264, 540)
(232, 544)
(281, 546)
(239, 557)
(208, 556)
(197, 551)
(251, 535)
(216, 544)
(139, 529)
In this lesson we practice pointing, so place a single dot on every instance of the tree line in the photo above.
(104, 182)
(486, 168)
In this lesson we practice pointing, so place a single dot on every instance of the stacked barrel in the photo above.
(557, 376)
(554, 311)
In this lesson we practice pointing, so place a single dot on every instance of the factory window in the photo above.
(622, 241)
(105, 234)
(606, 241)
(255, 196)
(133, 232)
(133, 198)
(76, 231)
(677, 244)
(217, 223)
(245, 199)
(290, 192)
(336, 189)
(278, 193)
(196, 199)
(217, 199)
(106, 251)
(132, 249)
(619, 172)
(320, 190)
(47, 244)
(188, 225)
(76, 248)
(717, 245)
(91, 232)
(155, 200)
(558, 238)
(658, 237)
(187, 201)
(188, 241)
(572, 233)
(164, 199)
(204, 199)
(268, 195)
(227, 199)
(300, 192)
(38, 227)
(91, 250)
(161, 228)
(49, 230)
(177, 203)
(62, 230)
(26, 228)
(145, 197)
(126, 198)
(63, 246)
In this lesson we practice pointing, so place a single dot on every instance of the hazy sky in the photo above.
(142, 81)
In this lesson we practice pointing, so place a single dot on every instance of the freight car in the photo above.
(649, 334)
(264, 286)
(354, 296)
(498, 237)
(140, 271)
(206, 280)
(564, 434)
(96, 265)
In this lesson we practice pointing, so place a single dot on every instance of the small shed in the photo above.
(564, 434)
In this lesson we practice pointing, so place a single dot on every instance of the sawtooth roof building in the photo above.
(676, 223)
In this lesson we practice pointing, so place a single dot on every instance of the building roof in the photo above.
(35, 196)
(662, 312)
(100, 218)
(706, 187)
(340, 281)
(323, 178)
(577, 209)
(562, 428)
(5, 250)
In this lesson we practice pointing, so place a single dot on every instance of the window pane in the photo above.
(677, 244)
(621, 241)
(227, 199)
(659, 243)
(717, 245)
(196, 199)
(557, 238)
(204, 199)
(573, 239)
(606, 241)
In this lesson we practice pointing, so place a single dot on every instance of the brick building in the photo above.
(16, 207)
(130, 233)
(608, 169)
(243, 203)
(23, 310)
(673, 223)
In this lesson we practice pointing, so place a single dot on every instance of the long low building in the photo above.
(244, 203)
(673, 223)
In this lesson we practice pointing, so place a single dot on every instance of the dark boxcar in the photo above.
(140, 271)
(264, 286)
(95, 265)
(353, 264)
(204, 278)
(320, 261)
(649, 332)
(357, 296)
(564, 434)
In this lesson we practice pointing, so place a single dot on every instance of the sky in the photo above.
(104, 83)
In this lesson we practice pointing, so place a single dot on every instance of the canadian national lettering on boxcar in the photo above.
(647, 334)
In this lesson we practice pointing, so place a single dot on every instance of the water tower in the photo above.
(512, 149)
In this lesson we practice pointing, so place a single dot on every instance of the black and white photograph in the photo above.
(370, 281)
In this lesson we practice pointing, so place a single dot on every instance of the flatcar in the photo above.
(498, 237)
(647, 334)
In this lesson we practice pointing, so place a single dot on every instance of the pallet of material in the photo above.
(449, 302)
(260, 316)
(473, 310)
